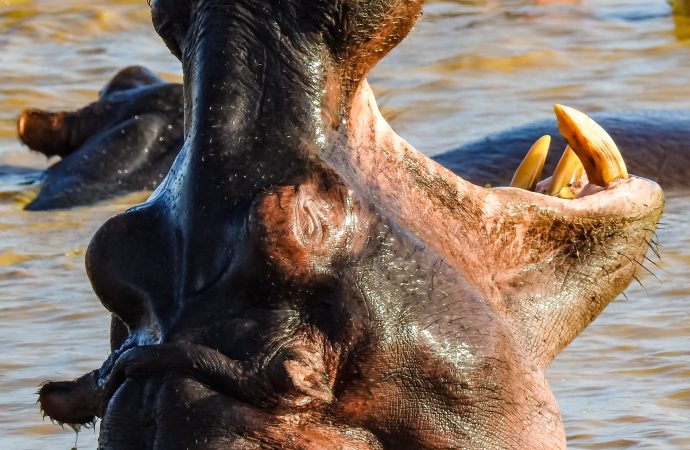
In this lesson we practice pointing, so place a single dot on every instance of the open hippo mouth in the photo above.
(304, 278)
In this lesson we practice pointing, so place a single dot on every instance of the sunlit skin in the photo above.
(304, 278)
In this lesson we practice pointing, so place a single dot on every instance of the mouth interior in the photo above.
(591, 163)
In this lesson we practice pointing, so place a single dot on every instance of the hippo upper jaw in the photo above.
(192, 380)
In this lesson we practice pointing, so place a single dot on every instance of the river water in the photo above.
(469, 68)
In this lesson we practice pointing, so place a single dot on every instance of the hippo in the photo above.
(126, 146)
(304, 278)
(124, 142)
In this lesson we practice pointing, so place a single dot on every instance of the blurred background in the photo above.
(468, 69)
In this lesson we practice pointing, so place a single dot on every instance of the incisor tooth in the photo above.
(527, 175)
(568, 170)
(598, 153)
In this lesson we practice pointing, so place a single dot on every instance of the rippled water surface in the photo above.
(470, 67)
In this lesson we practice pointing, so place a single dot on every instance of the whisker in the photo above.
(656, 265)
(634, 275)
(640, 283)
(650, 272)
(654, 249)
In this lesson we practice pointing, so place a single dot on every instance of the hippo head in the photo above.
(304, 278)
(123, 142)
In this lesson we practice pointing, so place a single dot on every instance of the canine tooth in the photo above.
(527, 175)
(598, 153)
(568, 170)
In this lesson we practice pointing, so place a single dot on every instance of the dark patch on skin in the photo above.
(440, 189)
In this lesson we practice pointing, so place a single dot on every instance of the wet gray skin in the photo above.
(124, 142)
(304, 278)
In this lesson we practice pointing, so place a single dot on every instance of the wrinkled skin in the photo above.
(304, 278)
(124, 142)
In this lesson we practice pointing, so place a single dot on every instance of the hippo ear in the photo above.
(130, 77)
(369, 29)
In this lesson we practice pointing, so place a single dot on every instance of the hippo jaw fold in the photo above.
(307, 279)
(517, 247)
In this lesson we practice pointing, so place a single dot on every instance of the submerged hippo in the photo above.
(128, 139)
(305, 279)
(124, 142)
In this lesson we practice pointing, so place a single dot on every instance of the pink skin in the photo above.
(490, 236)
(581, 187)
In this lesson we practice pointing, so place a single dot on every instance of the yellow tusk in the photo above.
(527, 175)
(598, 153)
(568, 171)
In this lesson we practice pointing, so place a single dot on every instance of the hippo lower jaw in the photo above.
(528, 237)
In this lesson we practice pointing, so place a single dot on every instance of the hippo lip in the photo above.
(199, 362)
(631, 198)
(78, 402)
